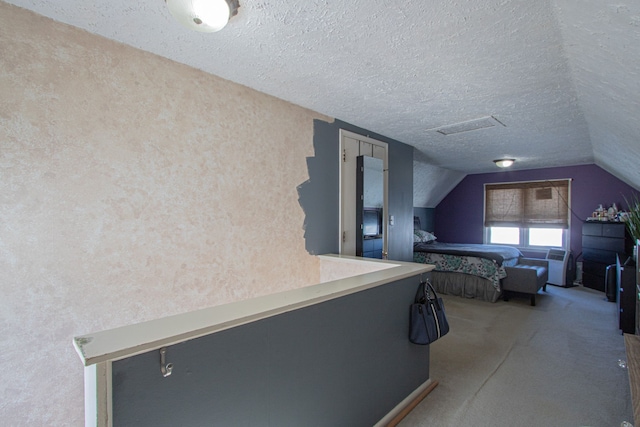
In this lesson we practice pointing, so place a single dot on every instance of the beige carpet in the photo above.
(510, 364)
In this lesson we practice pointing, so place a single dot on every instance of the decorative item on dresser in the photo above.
(601, 242)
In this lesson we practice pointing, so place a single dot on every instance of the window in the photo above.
(545, 237)
(527, 214)
(527, 237)
(504, 235)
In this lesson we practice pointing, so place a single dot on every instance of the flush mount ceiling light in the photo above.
(504, 163)
(206, 16)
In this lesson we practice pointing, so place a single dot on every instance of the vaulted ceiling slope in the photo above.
(560, 77)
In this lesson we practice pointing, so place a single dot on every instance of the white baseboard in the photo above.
(404, 404)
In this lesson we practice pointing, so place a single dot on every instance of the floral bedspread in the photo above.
(489, 269)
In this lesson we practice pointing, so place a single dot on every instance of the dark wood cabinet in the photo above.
(601, 243)
(372, 248)
(626, 298)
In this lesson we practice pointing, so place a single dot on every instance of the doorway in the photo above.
(353, 146)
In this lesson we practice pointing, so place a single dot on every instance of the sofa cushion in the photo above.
(528, 276)
(540, 270)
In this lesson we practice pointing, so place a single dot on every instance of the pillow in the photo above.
(420, 236)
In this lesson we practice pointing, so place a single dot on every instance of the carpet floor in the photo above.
(511, 364)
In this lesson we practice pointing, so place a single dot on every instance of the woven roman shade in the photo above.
(537, 204)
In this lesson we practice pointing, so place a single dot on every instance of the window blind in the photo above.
(537, 204)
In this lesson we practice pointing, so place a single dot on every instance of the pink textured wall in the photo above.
(131, 188)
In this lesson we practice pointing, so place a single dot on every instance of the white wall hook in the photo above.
(165, 367)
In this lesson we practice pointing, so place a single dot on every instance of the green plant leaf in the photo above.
(633, 217)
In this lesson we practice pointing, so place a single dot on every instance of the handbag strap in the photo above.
(421, 294)
(425, 288)
(433, 291)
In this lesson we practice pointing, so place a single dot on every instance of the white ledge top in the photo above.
(127, 341)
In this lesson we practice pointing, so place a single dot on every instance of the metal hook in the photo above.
(165, 367)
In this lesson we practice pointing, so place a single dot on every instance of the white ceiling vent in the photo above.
(481, 123)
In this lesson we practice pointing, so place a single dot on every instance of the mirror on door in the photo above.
(369, 207)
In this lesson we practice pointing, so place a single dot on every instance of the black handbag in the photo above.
(427, 316)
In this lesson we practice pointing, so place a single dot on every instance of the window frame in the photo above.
(524, 231)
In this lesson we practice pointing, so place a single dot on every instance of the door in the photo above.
(369, 205)
(353, 145)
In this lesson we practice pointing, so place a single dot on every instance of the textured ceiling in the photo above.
(561, 75)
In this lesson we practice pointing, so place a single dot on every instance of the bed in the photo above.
(467, 270)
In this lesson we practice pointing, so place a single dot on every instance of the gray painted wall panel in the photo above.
(427, 218)
(345, 362)
(319, 196)
(401, 201)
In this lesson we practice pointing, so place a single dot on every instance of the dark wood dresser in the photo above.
(601, 242)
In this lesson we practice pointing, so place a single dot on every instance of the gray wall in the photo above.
(332, 364)
(319, 196)
(427, 218)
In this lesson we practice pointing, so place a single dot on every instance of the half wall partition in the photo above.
(332, 354)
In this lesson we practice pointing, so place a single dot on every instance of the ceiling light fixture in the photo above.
(206, 16)
(504, 163)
